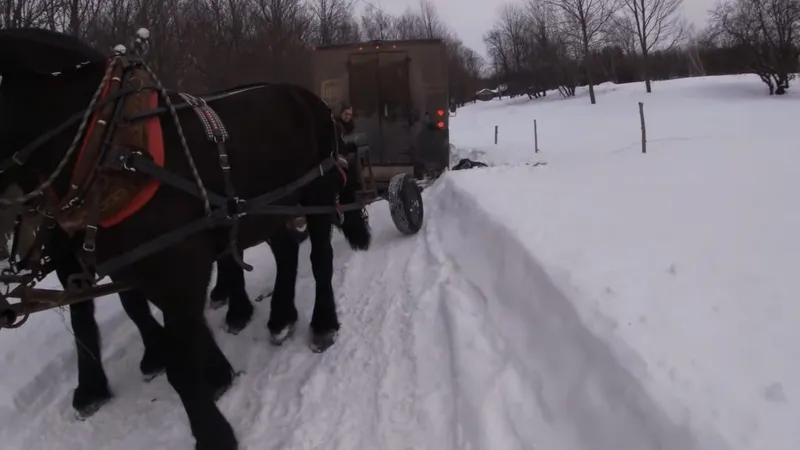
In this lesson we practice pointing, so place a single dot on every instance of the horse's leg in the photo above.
(92, 391)
(153, 361)
(221, 291)
(283, 314)
(240, 309)
(196, 367)
(324, 320)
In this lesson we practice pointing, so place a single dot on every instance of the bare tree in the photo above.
(428, 24)
(766, 31)
(23, 13)
(377, 25)
(657, 24)
(332, 21)
(622, 34)
(283, 32)
(586, 21)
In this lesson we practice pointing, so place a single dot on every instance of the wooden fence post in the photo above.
(495, 134)
(535, 137)
(644, 129)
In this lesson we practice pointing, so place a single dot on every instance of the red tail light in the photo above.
(440, 112)
(440, 125)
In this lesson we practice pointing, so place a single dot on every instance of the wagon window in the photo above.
(394, 93)
(363, 84)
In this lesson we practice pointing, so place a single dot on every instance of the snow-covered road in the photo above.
(450, 341)
(417, 364)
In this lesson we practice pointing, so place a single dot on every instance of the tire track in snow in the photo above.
(358, 396)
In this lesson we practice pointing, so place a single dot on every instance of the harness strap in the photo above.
(206, 98)
(218, 134)
(260, 205)
(33, 260)
(160, 243)
(20, 157)
(15, 240)
(138, 162)
(263, 201)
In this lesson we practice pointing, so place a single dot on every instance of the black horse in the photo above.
(276, 135)
(93, 389)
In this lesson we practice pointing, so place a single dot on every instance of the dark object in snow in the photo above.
(467, 163)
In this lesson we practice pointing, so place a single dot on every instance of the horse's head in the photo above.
(46, 78)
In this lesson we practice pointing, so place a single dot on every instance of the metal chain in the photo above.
(184, 144)
(39, 191)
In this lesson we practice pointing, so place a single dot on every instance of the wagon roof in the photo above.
(381, 41)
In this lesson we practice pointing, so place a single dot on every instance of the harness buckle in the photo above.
(89, 245)
(218, 137)
(223, 162)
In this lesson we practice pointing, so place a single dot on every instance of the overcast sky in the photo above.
(472, 19)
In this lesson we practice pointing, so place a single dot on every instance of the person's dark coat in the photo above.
(348, 130)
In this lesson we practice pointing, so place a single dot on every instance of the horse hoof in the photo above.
(150, 376)
(282, 335)
(322, 341)
(223, 439)
(222, 390)
(218, 298)
(153, 363)
(235, 326)
(237, 319)
(86, 406)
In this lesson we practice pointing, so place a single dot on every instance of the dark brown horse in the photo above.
(278, 147)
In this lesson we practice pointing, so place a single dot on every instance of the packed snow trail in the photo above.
(395, 379)
(451, 339)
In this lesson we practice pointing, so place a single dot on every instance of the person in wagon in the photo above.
(345, 120)
(347, 127)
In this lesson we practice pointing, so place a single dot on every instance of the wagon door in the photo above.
(394, 101)
(363, 76)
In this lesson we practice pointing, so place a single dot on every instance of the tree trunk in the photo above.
(646, 72)
(588, 63)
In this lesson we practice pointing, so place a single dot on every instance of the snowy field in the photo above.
(607, 300)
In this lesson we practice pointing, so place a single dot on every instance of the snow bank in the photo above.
(684, 266)
(684, 261)
(586, 397)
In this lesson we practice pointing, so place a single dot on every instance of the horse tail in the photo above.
(329, 141)
(355, 225)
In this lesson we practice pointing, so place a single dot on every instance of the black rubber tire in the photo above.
(405, 203)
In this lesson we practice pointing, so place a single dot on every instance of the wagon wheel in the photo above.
(405, 203)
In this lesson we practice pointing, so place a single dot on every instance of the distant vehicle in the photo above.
(400, 97)
(485, 95)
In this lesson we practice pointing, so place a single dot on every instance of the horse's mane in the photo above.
(37, 50)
